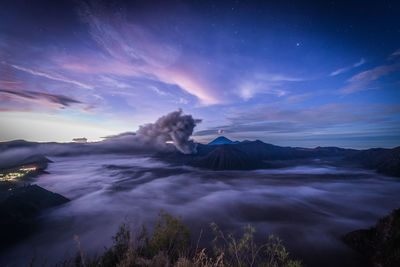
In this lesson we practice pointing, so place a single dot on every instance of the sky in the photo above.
(291, 73)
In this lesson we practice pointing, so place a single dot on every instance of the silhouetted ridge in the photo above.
(19, 208)
(227, 157)
(263, 151)
(383, 160)
(39, 161)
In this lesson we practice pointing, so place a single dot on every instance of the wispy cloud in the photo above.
(345, 69)
(39, 97)
(298, 98)
(250, 88)
(136, 51)
(264, 83)
(275, 119)
(55, 77)
(361, 81)
(269, 77)
(395, 54)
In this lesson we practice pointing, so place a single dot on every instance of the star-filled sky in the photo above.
(295, 73)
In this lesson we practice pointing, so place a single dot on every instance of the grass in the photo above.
(170, 245)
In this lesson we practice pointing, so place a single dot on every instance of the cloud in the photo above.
(264, 83)
(395, 54)
(265, 120)
(169, 133)
(55, 77)
(61, 100)
(298, 98)
(268, 77)
(345, 69)
(249, 89)
(135, 51)
(174, 128)
(158, 91)
(361, 81)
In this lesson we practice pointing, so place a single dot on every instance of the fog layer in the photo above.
(310, 207)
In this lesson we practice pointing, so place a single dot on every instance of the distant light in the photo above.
(169, 142)
(297, 44)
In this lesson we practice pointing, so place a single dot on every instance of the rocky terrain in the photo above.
(20, 206)
(380, 244)
(385, 161)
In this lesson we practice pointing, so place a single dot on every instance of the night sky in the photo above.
(298, 73)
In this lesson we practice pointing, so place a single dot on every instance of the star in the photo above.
(297, 44)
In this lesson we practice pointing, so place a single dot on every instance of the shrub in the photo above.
(244, 251)
(169, 246)
(170, 236)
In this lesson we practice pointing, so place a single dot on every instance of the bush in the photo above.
(170, 236)
(244, 251)
(169, 245)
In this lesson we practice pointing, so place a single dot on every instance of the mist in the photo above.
(170, 132)
(310, 207)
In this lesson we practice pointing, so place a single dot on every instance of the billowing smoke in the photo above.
(168, 133)
(174, 128)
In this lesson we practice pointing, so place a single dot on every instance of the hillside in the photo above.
(19, 208)
(385, 161)
(379, 244)
(227, 157)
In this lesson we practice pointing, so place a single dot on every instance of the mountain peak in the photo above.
(221, 140)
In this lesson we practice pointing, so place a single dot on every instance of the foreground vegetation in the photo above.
(380, 244)
(170, 245)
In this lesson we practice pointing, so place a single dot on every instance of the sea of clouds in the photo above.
(310, 207)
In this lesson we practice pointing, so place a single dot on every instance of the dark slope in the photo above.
(17, 144)
(385, 161)
(178, 158)
(227, 157)
(379, 244)
(254, 153)
(19, 207)
(39, 161)
(262, 151)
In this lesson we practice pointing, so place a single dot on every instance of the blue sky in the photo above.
(298, 73)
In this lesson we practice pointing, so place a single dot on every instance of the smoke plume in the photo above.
(174, 128)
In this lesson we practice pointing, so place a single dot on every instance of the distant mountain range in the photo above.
(383, 160)
(225, 154)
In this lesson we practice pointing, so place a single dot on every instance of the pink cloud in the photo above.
(135, 51)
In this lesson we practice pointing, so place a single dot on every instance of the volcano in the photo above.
(227, 157)
(222, 140)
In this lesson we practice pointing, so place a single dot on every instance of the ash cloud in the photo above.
(168, 133)
(174, 128)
